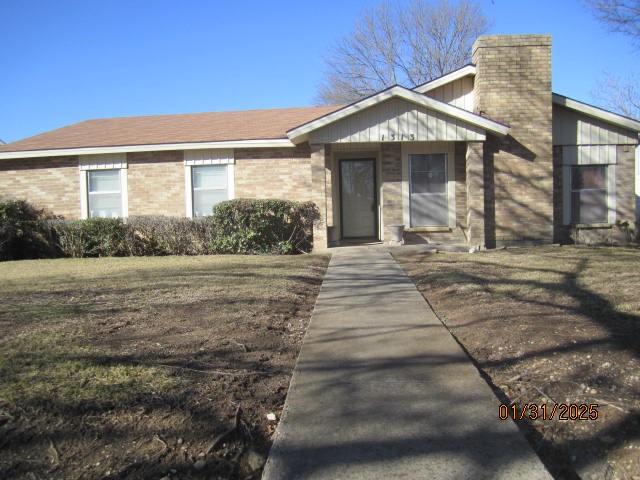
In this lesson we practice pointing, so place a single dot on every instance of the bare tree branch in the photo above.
(621, 16)
(411, 44)
(615, 93)
(620, 95)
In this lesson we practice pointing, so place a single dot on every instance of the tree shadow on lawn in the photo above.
(604, 332)
(122, 381)
(85, 412)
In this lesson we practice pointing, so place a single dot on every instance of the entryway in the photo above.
(358, 199)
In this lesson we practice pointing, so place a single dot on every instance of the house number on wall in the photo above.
(394, 136)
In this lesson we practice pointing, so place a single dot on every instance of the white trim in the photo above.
(266, 143)
(467, 70)
(596, 112)
(124, 192)
(209, 157)
(105, 161)
(188, 192)
(298, 134)
(231, 180)
(84, 201)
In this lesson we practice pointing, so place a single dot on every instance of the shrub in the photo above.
(237, 226)
(263, 226)
(94, 237)
(24, 232)
(158, 235)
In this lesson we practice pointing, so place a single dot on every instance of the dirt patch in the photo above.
(551, 325)
(148, 368)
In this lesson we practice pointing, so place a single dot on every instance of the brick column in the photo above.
(475, 195)
(319, 162)
(513, 85)
(391, 187)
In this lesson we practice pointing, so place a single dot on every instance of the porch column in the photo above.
(320, 190)
(391, 187)
(475, 194)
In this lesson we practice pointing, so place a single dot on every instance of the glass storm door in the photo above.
(428, 190)
(358, 198)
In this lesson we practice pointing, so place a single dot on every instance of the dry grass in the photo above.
(101, 356)
(545, 323)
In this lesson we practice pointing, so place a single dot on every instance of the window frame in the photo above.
(89, 163)
(212, 157)
(445, 193)
(118, 171)
(206, 189)
(448, 148)
(607, 169)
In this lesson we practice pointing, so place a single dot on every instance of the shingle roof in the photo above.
(183, 128)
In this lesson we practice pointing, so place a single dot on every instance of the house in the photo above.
(486, 155)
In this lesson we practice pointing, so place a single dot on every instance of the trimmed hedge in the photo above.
(236, 227)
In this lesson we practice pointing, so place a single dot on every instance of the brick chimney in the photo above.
(513, 86)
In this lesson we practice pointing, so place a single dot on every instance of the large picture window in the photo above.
(104, 192)
(589, 194)
(210, 187)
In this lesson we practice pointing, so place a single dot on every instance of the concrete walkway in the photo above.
(382, 391)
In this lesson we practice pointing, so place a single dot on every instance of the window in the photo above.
(104, 190)
(428, 190)
(210, 187)
(589, 194)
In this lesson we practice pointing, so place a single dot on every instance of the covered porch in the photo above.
(434, 189)
(398, 158)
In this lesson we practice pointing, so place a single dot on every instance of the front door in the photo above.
(358, 202)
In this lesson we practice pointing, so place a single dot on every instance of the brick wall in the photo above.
(513, 86)
(274, 173)
(391, 167)
(461, 184)
(52, 183)
(156, 183)
(320, 164)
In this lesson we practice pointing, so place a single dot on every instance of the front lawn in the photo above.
(551, 325)
(133, 367)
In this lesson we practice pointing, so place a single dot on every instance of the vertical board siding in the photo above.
(589, 154)
(396, 120)
(208, 157)
(458, 93)
(575, 128)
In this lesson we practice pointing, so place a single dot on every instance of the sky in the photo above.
(65, 61)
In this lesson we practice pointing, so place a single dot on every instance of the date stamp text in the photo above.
(556, 411)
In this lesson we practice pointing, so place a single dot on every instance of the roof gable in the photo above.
(421, 104)
(397, 120)
(595, 112)
(467, 70)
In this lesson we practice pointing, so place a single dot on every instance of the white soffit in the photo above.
(267, 143)
(300, 133)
